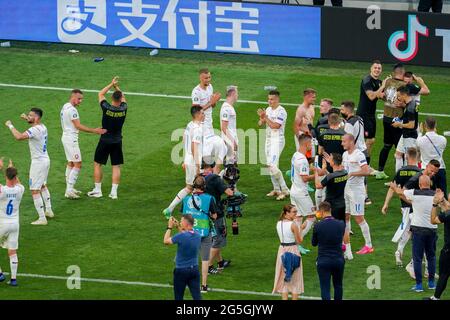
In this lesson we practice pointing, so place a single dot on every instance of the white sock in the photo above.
(14, 263)
(309, 224)
(39, 205)
(348, 248)
(46, 196)
(403, 241)
(114, 187)
(366, 233)
(98, 186)
(73, 178)
(398, 163)
(276, 185)
(348, 225)
(280, 179)
(319, 196)
(68, 170)
(179, 197)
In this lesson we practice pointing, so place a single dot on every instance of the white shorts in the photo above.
(354, 200)
(39, 173)
(191, 172)
(273, 151)
(9, 236)
(304, 205)
(405, 143)
(71, 149)
(214, 146)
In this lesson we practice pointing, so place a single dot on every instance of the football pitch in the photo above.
(118, 245)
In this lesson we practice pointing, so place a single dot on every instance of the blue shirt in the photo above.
(328, 235)
(188, 247)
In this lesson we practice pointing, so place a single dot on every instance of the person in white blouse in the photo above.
(432, 146)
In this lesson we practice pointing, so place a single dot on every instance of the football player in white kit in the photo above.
(274, 117)
(192, 138)
(40, 162)
(10, 196)
(228, 124)
(204, 96)
(355, 164)
(300, 176)
(70, 123)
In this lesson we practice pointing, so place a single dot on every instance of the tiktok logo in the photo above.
(414, 29)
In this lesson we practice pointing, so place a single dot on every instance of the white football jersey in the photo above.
(353, 163)
(299, 168)
(202, 97)
(9, 203)
(192, 133)
(69, 113)
(228, 113)
(38, 141)
(278, 115)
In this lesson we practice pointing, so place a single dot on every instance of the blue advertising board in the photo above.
(233, 27)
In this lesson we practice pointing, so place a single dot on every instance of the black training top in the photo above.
(403, 176)
(113, 120)
(444, 217)
(215, 186)
(335, 183)
(411, 113)
(413, 183)
(367, 107)
(331, 140)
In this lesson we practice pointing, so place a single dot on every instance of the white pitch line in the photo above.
(149, 284)
(171, 96)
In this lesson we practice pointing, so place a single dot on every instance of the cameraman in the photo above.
(203, 209)
(215, 186)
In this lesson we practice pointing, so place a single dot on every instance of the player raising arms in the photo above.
(10, 197)
(110, 143)
(70, 123)
(37, 136)
(274, 117)
(192, 145)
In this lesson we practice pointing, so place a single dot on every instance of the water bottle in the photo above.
(316, 161)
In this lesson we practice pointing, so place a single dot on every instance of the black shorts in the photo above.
(391, 135)
(338, 213)
(105, 150)
(370, 127)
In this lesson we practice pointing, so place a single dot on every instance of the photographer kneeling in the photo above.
(215, 186)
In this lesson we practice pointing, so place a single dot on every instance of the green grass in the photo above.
(123, 239)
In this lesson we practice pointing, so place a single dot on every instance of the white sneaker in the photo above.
(49, 214)
(78, 192)
(40, 222)
(273, 193)
(71, 194)
(113, 196)
(398, 258)
(283, 195)
(95, 194)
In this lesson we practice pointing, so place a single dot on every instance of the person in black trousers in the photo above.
(426, 5)
(444, 258)
(328, 235)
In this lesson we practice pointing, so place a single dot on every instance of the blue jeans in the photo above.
(183, 277)
(424, 241)
(328, 268)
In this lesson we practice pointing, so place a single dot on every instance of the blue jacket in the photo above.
(290, 263)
